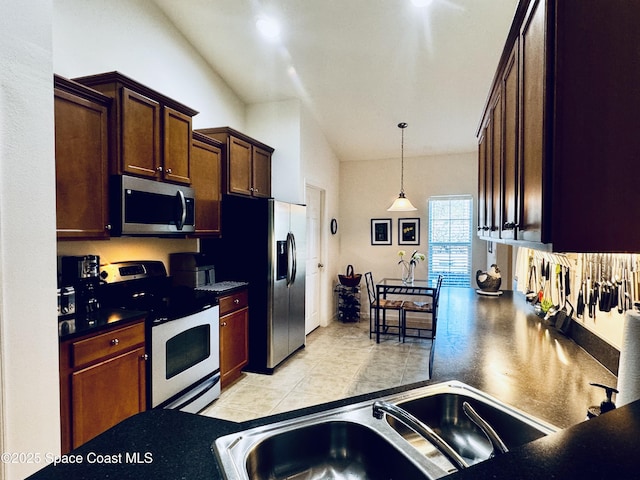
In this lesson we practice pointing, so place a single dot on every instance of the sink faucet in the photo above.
(496, 441)
(380, 407)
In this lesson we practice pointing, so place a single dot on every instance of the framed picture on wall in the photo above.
(408, 231)
(380, 231)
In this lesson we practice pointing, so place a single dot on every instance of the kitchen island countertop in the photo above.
(174, 445)
(177, 445)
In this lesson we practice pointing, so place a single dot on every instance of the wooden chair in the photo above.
(381, 308)
(429, 307)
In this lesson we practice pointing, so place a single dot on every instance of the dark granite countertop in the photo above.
(104, 319)
(494, 344)
(500, 346)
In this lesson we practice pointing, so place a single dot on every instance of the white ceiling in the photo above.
(361, 66)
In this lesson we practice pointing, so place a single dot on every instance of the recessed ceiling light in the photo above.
(268, 27)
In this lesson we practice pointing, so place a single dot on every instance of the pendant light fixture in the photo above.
(402, 203)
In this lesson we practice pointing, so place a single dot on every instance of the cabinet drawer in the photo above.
(109, 343)
(232, 302)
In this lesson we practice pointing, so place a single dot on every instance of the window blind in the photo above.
(450, 223)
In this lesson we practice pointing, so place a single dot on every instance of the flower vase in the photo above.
(408, 272)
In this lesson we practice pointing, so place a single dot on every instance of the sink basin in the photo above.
(349, 443)
(442, 411)
(332, 449)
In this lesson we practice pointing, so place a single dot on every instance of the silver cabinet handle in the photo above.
(115, 342)
(159, 169)
(169, 171)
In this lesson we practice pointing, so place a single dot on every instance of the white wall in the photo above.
(136, 39)
(367, 189)
(278, 125)
(29, 396)
(321, 169)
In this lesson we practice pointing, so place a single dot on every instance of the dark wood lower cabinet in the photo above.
(102, 382)
(107, 393)
(234, 340)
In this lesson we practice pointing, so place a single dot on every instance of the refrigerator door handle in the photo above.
(292, 260)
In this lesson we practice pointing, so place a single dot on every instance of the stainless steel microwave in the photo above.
(146, 207)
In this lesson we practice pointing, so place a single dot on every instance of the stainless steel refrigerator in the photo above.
(263, 242)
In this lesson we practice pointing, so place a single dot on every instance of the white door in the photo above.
(314, 200)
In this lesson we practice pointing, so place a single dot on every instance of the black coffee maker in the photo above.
(83, 274)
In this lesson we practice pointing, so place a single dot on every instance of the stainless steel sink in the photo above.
(348, 442)
(441, 409)
(329, 450)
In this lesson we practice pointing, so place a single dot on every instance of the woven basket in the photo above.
(350, 279)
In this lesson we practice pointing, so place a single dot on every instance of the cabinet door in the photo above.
(532, 110)
(234, 345)
(261, 173)
(140, 137)
(482, 182)
(496, 166)
(206, 161)
(239, 166)
(107, 393)
(81, 145)
(510, 146)
(177, 146)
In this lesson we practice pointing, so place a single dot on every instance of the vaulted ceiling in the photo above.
(360, 66)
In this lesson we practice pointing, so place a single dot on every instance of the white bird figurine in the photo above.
(489, 281)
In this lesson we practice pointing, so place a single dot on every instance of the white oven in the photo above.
(185, 361)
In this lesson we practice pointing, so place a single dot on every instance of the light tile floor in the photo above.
(338, 361)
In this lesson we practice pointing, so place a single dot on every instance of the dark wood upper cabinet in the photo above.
(247, 165)
(496, 165)
(482, 182)
(139, 138)
(261, 171)
(206, 168)
(82, 159)
(568, 121)
(177, 146)
(510, 111)
(151, 133)
(532, 122)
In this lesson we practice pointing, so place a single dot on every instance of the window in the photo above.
(450, 223)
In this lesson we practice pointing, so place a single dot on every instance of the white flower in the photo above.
(416, 257)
